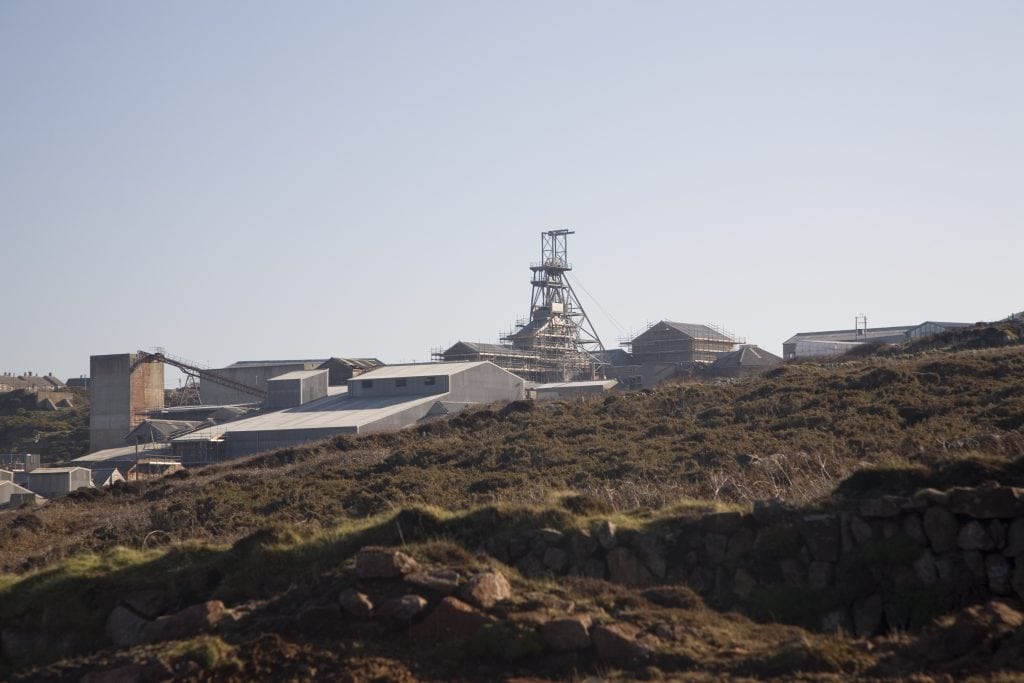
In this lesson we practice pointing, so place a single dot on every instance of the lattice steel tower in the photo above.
(558, 331)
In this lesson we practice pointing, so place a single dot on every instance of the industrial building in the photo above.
(53, 482)
(124, 388)
(557, 342)
(256, 374)
(390, 397)
(12, 495)
(571, 390)
(837, 342)
(679, 343)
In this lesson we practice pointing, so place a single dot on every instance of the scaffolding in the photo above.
(695, 346)
(557, 341)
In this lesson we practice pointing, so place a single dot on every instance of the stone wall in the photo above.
(882, 563)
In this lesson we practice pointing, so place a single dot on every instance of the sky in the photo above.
(247, 180)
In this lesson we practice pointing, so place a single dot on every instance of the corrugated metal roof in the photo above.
(873, 334)
(54, 470)
(123, 454)
(606, 383)
(257, 363)
(332, 412)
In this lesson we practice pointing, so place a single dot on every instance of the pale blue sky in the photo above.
(242, 180)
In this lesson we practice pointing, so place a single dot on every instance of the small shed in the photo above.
(297, 388)
(58, 481)
(563, 390)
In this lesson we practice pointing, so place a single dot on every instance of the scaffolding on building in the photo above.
(557, 341)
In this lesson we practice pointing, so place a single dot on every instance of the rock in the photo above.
(886, 506)
(821, 533)
(531, 566)
(564, 635)
(933, 496)
(716, 545)
(518, 546)
(770, 511)
(617, 643)
(867, 615)
(819, 576)
(997, 570)
(383, 564)
(146, 603)
(941, 528)
(452, 619)
(187, 623)
(913, 529)
(594, 568)
(355, 603)
(606, 533)
(404, 607)
(987, 502)
(792, 571)
(1015, 539)
(124, 627)
(651, 552)
(973, 536)
(978, 623)
(1018, 579)
(556, 559)
(486, 589)
(997, 530)
(925, 569)
(444, 581)
(549, 536)
(975, 563)
(582, 547)
(625, 568)
(741, 543)
(743, 584)
(722, 522)
(860, 530)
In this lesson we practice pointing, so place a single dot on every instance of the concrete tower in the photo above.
(122, 390)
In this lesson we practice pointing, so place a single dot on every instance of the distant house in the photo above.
(686, 343)
(749, 359)
(53, 482)
(48, 391)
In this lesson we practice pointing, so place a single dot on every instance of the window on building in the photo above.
(367, 384)
(430, 381)
(399, 382)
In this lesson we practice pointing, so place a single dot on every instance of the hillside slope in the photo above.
(274, 534)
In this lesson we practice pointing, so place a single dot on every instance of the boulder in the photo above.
(931, 496)
(987, 502)
(651, 552)
(860, 530)
(925, 569)
(867, 615)
(722, 522)
(581, 546)
(617, 643)
(624, 567)
(913, 529)
(383, 564)
(549, 536)
(355, 603)
(819, 576)
(403, 607)
(606, 533)
(886, 506)
(570, 633)
(531, 566)
(1015, 538)
(997, 530)
(486, 589)
(556, 559)
(452, 619)
(146, 603)
(124, 627)
(997, 571)
(973, 536)
(187, 623)
(444, 581)
(821, 533)
(941, 527)
(975, 563)
(978, 623)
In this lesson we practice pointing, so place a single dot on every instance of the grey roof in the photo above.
(32, 382)
(481, 347)
(580, 384)
(419, 370)
(697, 331)
(749, 356)
(362, 363)
(121, 454)
(614, 357)
(161, 429)
(298, 374)
(54, 470)
(894, 334)
(941, 324)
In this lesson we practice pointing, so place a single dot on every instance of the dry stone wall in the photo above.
(883, 563)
